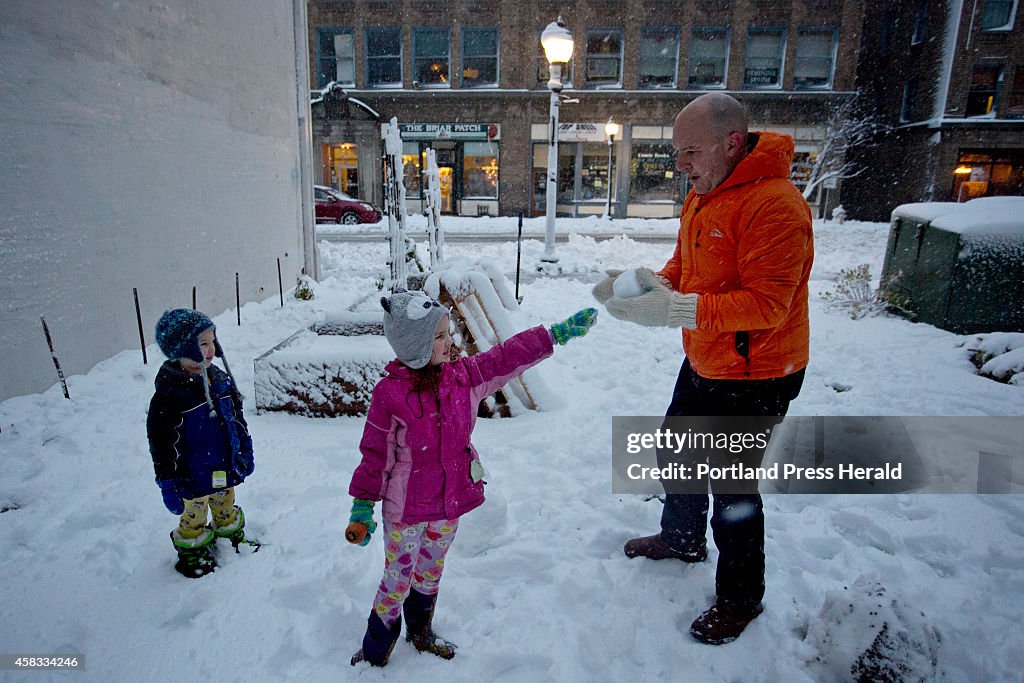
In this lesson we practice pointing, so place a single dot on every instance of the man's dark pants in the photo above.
(737, 521)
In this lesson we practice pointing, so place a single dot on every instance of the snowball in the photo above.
(626, 286)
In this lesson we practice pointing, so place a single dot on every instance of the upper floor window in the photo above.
(335, 57)
(479, 57)
(763, 66)
(814, 57)
(544, 70)
(998, 15)
(709, 56)
(920, 22)
(604, 58)
(1015, 102)
(981, 96)
(431, 54)
(383, 57)
(659, 55)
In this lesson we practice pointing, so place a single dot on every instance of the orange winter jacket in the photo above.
(746, 249)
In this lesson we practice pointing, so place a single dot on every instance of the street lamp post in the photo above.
(557, 43)
(611, 129)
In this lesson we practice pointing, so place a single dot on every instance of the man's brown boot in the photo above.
(722, 623)
(654, 548)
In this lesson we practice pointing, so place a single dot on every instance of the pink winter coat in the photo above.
(418, 460)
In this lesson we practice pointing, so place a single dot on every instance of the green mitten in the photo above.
(574, 326)
(360, 522)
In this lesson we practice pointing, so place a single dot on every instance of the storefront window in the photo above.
(594, 172)
(652, 173)
(341, 168)
(412, 159)
(480, 170)
(992, 175)
(800, 170)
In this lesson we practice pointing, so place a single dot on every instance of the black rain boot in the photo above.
(378, 641)
(194, 557)
(419, 613)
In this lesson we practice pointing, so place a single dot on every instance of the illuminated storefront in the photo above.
(643, 176)
(467, 159)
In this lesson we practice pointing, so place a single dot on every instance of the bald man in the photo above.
(737, 285)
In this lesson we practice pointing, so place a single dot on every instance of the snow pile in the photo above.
(320, 375)
(999, 355)
(864, 634)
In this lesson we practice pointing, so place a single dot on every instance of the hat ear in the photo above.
(385, 304)
(217, 350)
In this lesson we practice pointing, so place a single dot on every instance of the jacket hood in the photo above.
(772, 157)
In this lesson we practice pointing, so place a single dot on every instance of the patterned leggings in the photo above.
(414, 558)
(222, 508)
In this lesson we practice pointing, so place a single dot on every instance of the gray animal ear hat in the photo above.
(410, 319)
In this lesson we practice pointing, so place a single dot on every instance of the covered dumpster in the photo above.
(959, 267)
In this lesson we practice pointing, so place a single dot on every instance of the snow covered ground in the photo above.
(536, 586)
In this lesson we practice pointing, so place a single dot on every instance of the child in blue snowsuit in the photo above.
(198, 439)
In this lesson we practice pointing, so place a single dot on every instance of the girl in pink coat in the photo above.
(417, 458)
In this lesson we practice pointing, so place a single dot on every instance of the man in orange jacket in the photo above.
(737, 285)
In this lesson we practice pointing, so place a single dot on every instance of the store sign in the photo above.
(448, 131)
(581, 132)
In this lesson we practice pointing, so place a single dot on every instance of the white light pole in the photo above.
(557, 43)
(611, 129)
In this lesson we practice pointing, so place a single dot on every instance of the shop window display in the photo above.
(480, 170)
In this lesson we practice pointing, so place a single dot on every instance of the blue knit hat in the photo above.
(177, 333)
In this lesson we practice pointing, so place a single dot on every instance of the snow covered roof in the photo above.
(981, 216)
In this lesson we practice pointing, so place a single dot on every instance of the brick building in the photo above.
(468, 78)
(948, 77)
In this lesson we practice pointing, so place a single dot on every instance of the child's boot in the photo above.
(235, 532)
(194, 557)
(378, 641)
(419, 613)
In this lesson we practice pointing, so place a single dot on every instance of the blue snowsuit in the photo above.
(187, 443)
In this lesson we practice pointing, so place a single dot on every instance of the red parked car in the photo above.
(336, 206)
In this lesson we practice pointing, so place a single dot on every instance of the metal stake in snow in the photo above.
(138, 318)
(519, 254)
(435, 232)
(394, 196)
(53, 354)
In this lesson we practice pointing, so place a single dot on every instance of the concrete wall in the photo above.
(143, 144)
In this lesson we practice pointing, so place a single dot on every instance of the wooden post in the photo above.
(53, 354)
(193, 297)
(138, 317)
(238, 302)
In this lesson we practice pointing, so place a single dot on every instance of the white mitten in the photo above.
(659, 307)
(603, 290)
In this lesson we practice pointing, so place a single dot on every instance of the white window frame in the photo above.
(390, 56)
(321, 59)
(649, 32)
(497, 53)
(417, 58)
(808, 30)
(597, 85)
(1008, 26)
(780, 31)
(696, 85)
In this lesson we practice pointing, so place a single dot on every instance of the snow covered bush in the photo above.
(853, 293)
(999, 356)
